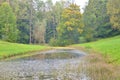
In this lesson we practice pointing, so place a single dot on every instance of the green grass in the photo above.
(108, 47)
(10, 49)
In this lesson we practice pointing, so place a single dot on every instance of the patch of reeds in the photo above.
(98, 69)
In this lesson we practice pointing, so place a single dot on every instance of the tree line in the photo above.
(100, 19)
(59, 24)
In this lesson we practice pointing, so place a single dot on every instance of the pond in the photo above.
(58, 64)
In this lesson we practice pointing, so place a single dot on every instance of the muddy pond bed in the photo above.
(57, 64)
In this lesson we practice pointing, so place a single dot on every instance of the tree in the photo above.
(8, 29)
(22, 12)
(113, 9)
(53, 16)
(25, 19)
(39, 32)
(40, 22)
(71, 25)
(96, 20)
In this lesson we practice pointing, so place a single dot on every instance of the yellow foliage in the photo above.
(67, 23)
(80, 30)
(69, 28)
(113, 9)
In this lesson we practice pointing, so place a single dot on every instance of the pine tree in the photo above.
(96, 20)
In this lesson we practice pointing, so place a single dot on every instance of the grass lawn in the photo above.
(108, 46)
(10, 49)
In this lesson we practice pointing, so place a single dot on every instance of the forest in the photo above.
(59, 24)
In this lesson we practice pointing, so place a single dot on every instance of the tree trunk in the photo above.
(30, 40)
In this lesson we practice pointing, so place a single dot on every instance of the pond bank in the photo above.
(98, 66)
(33, 68)
(8, 49)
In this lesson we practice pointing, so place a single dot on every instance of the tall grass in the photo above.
(98, 69)
(102, 54)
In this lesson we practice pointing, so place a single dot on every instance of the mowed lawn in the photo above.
(108, 46)
(10, 49)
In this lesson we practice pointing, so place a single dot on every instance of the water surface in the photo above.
(55, 64)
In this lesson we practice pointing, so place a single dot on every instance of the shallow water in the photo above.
(59, 64)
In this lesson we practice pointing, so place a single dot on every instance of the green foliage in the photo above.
(22, 20)
(23, 27)
(108, 47)
(38, 21)
(71, 25)
(53, 18)
(58, 42)
(10, 49)
(53, 42)
(8, 29)
(113, 8)
(82, 39)
(96, 20)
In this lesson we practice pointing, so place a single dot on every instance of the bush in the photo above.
(82, 40)
(53, 42)
(59, 42)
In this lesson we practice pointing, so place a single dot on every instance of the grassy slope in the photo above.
(8, 49)
(109, 46)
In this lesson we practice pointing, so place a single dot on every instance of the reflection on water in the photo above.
(50, 65)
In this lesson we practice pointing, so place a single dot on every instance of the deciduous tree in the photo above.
(113, 9)
(71, 25)
(8, 29)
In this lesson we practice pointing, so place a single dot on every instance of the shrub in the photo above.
(59, 42)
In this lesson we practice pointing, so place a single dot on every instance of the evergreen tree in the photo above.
(53, 17)
(96, 20)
